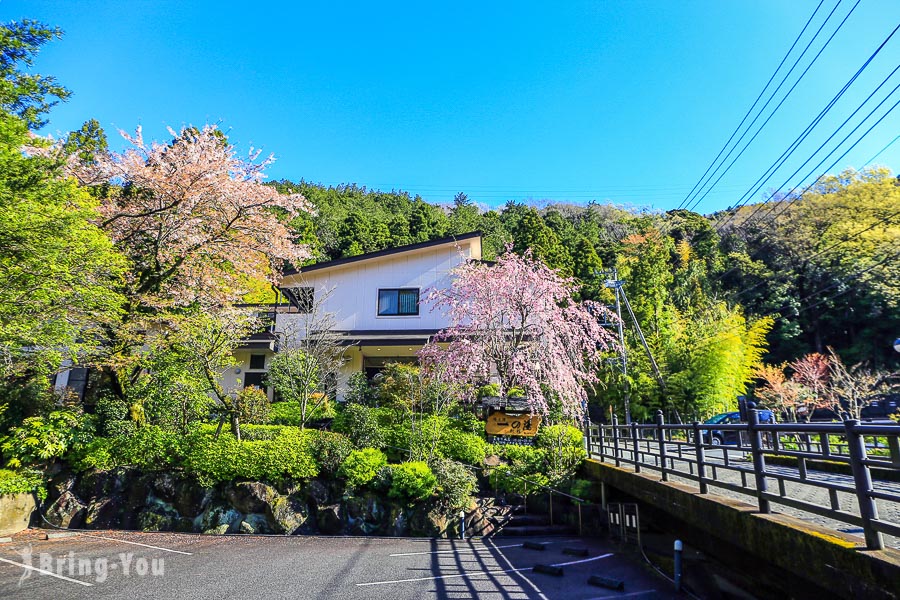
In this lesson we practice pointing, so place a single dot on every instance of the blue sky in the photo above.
(626, 101)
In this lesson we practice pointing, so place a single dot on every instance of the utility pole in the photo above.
(612, 281)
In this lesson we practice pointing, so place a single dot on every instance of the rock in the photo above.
(257, 522)
(99, 484)
(216, 516)
(59, 484)
(492, 461)
(67, 511)
(316, 492)
(250, 496)
(104, 513)
(190, 498)
(426, 521)
(218, 530)
(400, 523)
(288, 514)
(365, 515)
(158, 516)
(246, 527)
(328, 519)
(164, 486)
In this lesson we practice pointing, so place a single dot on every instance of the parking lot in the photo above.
(135, 565)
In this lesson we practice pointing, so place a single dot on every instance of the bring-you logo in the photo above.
(87, 569)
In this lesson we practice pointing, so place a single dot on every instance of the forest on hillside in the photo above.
(774, 280)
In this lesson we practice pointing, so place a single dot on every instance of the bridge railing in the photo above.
(856, 465)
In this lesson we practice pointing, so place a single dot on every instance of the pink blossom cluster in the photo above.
(194, 218)
(517, 321)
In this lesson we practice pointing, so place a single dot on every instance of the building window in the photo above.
(254, 379)
(301, 297)
(398, 302)
(257, 361)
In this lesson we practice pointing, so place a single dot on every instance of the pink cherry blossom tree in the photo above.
(516, 320)
(195, 219)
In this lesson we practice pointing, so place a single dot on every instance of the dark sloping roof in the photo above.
(385, 252)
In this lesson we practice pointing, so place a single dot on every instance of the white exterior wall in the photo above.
(354, 297)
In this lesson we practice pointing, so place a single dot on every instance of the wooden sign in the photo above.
(500, 423)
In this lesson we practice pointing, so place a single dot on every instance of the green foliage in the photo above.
(288, 413)
(361, 466)
(524, 470)
(565, 451)
(412, 481)
(289, 455)
(39, 440)
(22, 93)
(397, 385)
(113, 416)
(330, 450)
(491, 390)
(23, 398)
(455, 483)
(359, 391)
(361, 425)
(59, 273)
(253, 405)
(465, 447)
(22, 482)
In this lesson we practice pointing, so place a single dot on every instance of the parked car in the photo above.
(717, 437)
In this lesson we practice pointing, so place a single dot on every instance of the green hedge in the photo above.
(412, 481)
(361, 466)
(289, 455)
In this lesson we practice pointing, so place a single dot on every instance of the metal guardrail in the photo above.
(688, 451)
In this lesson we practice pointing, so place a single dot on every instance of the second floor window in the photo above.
(398, 302)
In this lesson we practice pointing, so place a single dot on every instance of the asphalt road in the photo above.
(135, 565)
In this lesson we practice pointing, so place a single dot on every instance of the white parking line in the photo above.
(484, 549)
(100, 537)
(473, 574)
(51, 573)
(629, 595)
(476, 573)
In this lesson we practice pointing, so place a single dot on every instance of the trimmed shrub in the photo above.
(361, 466)
(361, 424)
(287, 456)
(455, 483)
(464, 447)
(288, 412)
(253, 405)
(411, 481)
(329, 449)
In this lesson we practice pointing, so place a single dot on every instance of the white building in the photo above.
(376, 301)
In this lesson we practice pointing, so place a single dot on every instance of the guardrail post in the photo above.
(600, 435)
(615, 424)
(759, 461)
(856, 447)
(660, 436)
(701, 458)
(587, 436)
(635, 448)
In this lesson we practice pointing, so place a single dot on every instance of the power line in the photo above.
(884, 220)
(742, 201)
(775, 110)
(877, 154)
(696, 344)
(841, 157)
(755, 102)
